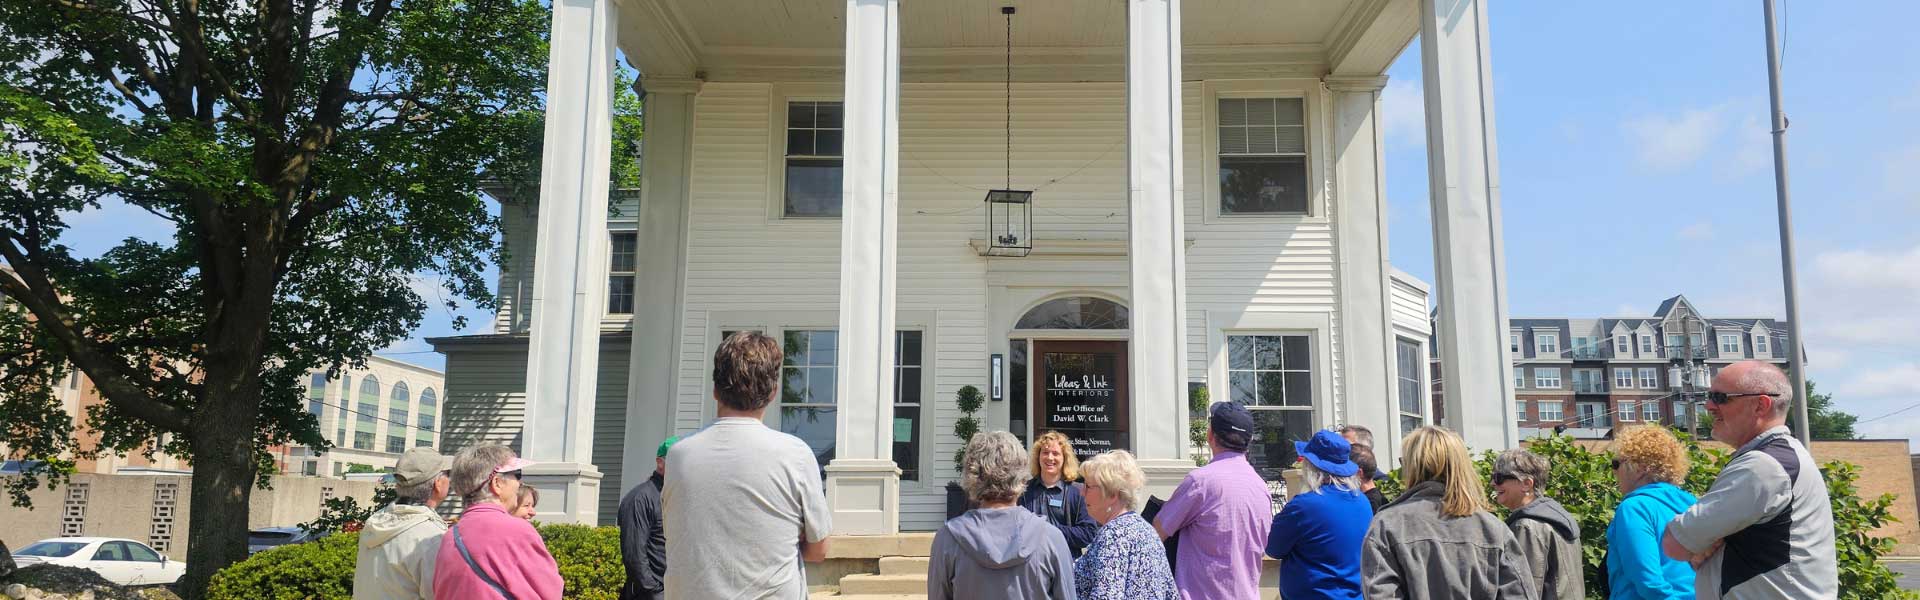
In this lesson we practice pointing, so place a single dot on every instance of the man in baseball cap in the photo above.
(643, 534)
(1221, 512)
(401, 542)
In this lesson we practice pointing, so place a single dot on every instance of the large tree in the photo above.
(1829, 423)
(312, 155)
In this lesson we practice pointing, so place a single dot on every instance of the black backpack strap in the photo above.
(462, 545)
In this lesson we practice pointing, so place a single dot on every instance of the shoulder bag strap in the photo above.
(462, 545)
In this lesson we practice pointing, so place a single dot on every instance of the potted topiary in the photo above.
(1197, 405)
(969, 400)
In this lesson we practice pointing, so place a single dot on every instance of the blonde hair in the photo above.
(529, 496)
(1116, 473)
(1435, 454)
(1654, 451)
(1069, 468)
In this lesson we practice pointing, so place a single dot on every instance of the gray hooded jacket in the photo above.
(1416, 553)
(1550, 537)
(999, 553)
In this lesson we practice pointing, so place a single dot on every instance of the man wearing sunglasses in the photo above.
(1765, 528)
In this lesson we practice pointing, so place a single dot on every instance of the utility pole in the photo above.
(1786, 233)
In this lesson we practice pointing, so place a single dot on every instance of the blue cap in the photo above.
(1330, 452)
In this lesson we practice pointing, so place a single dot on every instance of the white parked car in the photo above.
(122, 561)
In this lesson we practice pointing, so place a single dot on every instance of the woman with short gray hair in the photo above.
(998, 550)
(1126, 559)
(1548, 534)
(489, 552)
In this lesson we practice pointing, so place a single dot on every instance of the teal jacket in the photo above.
(1636, 569)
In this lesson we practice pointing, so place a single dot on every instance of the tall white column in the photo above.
(1360, 215)
(1156, 244)
(661, 257)
(863, 484)
(1463, 173)
(569, 293)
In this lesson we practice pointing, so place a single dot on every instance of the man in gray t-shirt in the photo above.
(1765, 528)
(744, 504)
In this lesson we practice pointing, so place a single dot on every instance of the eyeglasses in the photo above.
(514, 475)
(1722, 398)
(1499, 478)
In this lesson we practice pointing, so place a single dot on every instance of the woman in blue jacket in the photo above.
(1317, 536)
(1648, 463)
(1052, 493)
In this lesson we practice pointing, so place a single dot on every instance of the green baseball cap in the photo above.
(665, 445)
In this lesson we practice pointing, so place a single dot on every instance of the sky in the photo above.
(1635, 164)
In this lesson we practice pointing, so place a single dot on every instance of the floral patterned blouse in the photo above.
(1125, 562)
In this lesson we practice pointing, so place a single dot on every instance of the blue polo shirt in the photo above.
(1317, 538)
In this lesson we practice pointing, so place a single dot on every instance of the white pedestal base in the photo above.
(864, 495)
(1163, 475)
(569, 492)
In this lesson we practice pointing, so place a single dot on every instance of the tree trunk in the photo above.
(223, 477)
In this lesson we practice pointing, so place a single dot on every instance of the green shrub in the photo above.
(589, 560)
(322, 570)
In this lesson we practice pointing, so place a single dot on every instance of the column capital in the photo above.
(1354, 83)
(668, 85)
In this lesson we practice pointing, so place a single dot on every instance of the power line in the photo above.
(1908, 408)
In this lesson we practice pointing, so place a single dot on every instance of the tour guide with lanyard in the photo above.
(512, 466)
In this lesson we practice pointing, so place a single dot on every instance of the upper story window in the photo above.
(317, 393)
(1760, 344)
(622, 247)
(429, 409)
(1620, 345)
(368, 407)
(1730, 344)
(1513, 343)
(1623, 378)
(1413, 413)
(398, 409)
(814, 135)
(1649, 378)
(1519, 377)
(1546, 345)
(1263, 156)
(1547, 378)
(1646, 345)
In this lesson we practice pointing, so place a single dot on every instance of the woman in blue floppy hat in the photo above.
(1317, 536)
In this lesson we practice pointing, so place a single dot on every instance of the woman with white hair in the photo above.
(998, 550)
(1126, 559)
(1318, 534)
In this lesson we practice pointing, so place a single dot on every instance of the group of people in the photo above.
(744, 508)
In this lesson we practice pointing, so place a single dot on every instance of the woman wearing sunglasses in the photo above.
(1648, 464)
(1548, 534)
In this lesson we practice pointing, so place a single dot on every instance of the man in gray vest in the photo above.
(1765, 528)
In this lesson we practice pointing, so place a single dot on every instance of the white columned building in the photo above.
(1209, 213)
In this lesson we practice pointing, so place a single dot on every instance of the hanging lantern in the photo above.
(1009, 223)
(1009, 211)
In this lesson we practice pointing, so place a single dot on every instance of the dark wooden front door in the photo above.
(1082, 392)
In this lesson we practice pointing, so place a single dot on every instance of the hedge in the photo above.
(589, 560)
(1582, 480)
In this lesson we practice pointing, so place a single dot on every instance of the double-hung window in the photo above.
(1760, 344)
(1413, 413)
(1729, 344)
(1263, 156)
(808, 406)
(1513, 343)
(1620, 345)
(1551, 411)
(1272, 375)
(622, 249)
(1626, 411)
(814, 136)
(1520, 411)
(1649, 378)
(1646, 345)
(1650, 412)
(1622, 378)
(1519, 377)
(1546, 345)
(1546, 378)
(907, 374)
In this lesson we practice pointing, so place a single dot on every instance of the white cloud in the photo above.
(1668, 142)
(1403, 113)
(1902, 380)
(1698, 232)
(1628, 310)
(1904, 426)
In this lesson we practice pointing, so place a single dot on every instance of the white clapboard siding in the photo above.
(486, 403)
(1410, 304)
(1068, 147)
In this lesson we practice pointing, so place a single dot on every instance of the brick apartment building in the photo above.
(1593, 374)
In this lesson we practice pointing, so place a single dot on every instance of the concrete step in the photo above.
(904, 565)
(852, 585)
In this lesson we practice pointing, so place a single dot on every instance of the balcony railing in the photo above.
(1589, 387)
(1588, 353)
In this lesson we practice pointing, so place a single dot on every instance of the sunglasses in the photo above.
(1499, 478)
(514, 475)
(1722, 398)
(1614, 464)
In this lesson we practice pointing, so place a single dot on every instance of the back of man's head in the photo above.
(1362, 456)
(746, 371)
(1357, 434)
(1231, 425)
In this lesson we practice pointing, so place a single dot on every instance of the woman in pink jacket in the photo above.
(490, 553)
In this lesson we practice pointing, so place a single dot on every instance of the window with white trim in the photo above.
(1646, 345)
(1650, 411)
(1413, 413)
(1520, 411)
(1551, 411)
(1760, 344)
(1546, 345)
(1626, 411)
(1546, 377)
(622, 251)
(1620, 345)
(1623, 378)
(1730, 344)
(908, 370)
(1263, 156)
(1513, 343)
(1519, 377)
(1272, 375)
(808, 406)
(1649, 378)
(814, 136)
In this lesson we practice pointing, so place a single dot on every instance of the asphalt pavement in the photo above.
(1908, 571)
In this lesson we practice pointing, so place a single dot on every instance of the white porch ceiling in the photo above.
(949, 40)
